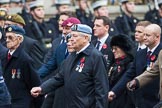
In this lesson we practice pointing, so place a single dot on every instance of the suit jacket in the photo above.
(85, 87)
(54, 62)
(150, 75)
(107, 52)
(147, 96)
(20, 77)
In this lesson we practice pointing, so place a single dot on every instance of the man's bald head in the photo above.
(156, 29)
(152, 34)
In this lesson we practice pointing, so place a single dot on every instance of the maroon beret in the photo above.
(71, 21)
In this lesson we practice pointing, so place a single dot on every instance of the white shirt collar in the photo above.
(11, 52)
(103, 40)
(153, 49)
(143, 46)
(83, 48)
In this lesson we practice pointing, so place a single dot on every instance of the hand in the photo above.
(111, 96)
(36, 91)
(131, 85)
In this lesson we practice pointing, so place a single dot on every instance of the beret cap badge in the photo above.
(9, 17)
(2, 13)
(10, 29)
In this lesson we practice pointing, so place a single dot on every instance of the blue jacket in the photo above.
(54, 62)
(5, 98)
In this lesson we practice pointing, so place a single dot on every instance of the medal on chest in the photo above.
(80, 65)
(16, 73)
(13, 73)
(150, 62)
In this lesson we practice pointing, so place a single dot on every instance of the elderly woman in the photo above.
(122, 49)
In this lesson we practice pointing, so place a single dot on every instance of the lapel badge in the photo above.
(9, 29)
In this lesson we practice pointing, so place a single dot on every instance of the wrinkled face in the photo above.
(150, 37)
(78, 40)
(103, 11)
(63, 8)
(118, 52)
(139, 34)
(38, 13)
(12, 40)
(66, 30)
(99, 28)
(62, 18)
(130, 7)
(70, 45)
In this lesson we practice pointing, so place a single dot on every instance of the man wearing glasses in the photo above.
(19, 74)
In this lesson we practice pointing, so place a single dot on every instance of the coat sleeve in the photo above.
(48, 67)
(151, 74)
(121, 84)
(54, 82)
(30, 75)
(101, 82)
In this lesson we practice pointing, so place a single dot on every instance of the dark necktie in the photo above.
(62, 40)
(98, 45)
(66, 53)
(9, 56)
(148, 54)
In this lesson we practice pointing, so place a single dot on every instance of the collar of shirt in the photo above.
(103, 40)
(153, 49)
(143, 46)
(11, 52)
(83, 48)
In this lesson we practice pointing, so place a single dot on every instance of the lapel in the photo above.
(157, 50)
(62, 50)
(14, 56)
(107, 45)
(141, 61)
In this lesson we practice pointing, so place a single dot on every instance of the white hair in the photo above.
(85, 34)
(19, 35)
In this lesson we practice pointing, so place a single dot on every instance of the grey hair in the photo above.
(85, 34)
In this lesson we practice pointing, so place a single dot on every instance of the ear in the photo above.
(32, 12)
(107, 27)
(21, 39)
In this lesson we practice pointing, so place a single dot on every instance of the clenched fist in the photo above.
(36, 91)
(111, 96)
(132, 85)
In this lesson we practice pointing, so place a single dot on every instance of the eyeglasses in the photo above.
(12, 38)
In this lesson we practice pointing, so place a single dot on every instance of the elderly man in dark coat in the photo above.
(85, 85)
(19, 74)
